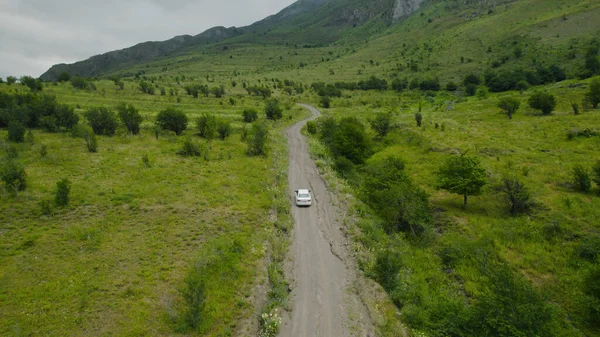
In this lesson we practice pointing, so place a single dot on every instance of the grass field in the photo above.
(113, 261)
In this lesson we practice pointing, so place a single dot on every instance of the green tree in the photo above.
(517, 196)
(543, 101)
(102, 120)
(581, 178)
(257, 141)
(463, 175)
(224, 129)
(351, 141)
(173, 120)
(593, 96)
(471, 79)
(325, 102)
(16, 132)
(65, 116)
(11, 80)
(419, 119)
(32, 83)
(381, 123)
(207, 126)
(79, 82)
(273, 111)
(509, 105)
(130, 117)
(250, 115)
(13, 175)
(63, 188)
(64, 77)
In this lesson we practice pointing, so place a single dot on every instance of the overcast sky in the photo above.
(36, 34)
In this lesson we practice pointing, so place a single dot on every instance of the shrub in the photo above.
(509, 105)
(257, 139)
(471, 79)
(224, 129)
(273, 111)
(44, 151)
(13, 175)
(430, 84)
(190, 148)
(593, 96)
(130, 117)
(173, 120)
(419, 119)
(91, 142)
(517, 196)
(146, 161)
(462, 175)
(451, 86)
(399, 84)
(63, 188)
(65, 116)
(596, 173)
(194, 295)
(311, 127)
(581, 178)
(102, 120)
(470, 89)
(585, 133)
(207, 126)
(325, 102)
(543, 101)
(381, 123)
(16, 132)
(522, 86)
(250, 115)
(79, 82)
(350, 140)
(575, 107)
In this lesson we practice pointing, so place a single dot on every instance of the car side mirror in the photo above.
(296, 191)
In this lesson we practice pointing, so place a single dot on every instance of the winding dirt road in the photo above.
(323, 273)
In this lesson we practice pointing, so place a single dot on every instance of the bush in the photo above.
(517, 196)
(381, 124)
(522, 86)
(257, 140)
(44, 151)
(419, 119)
(102, 120)
(207, 126)
(350, 140)
(575, 107)
(79, 82)
(91, 142)
(430, 84)
(451, 86)
(13, 175)
(596, 173)
(471, 79)
(593, 96)
(543, 101)
(325, 102)
(16, 132)
(273, 111)
(224, 129)
(63, 188)
(190, 149)
(311, 127)
(250, 115)
(194, 295)
(509, 105)
(581, 178)
(130, 117)
(470, 89)
(173, 120)
(399, 84)
(65, 116)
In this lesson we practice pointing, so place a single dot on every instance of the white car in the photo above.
(303, 197)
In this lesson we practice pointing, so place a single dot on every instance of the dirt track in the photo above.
(322, 270)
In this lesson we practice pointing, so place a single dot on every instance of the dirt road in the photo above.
(322, 271)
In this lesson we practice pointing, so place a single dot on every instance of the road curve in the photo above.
(322, 271)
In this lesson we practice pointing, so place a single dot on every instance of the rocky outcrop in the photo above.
(404, 8)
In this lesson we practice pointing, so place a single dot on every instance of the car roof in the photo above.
(303, 191)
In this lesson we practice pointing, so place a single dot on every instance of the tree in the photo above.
(351, 141)
(543, 101)
(130, 117)
(16, 132)
(79, 82)
(102, 120)
(273, 110)
(399, 84)
(325, 102)
(32, 83)
(63, 188)
(207, 126)
(517, 196)
(250, 115)
(509, 105)
(224, 129)
(11, 80)
(581, 178)
(65, 116)
(257, 140)
(173, 120)
(593, 96)
(463, 175)
(381, 124)
(64, 77)
(13, 175)
(471, 79)
(419, 118)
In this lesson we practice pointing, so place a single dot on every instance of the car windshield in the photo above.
(303, 195)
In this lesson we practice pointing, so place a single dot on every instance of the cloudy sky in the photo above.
(36, 34)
